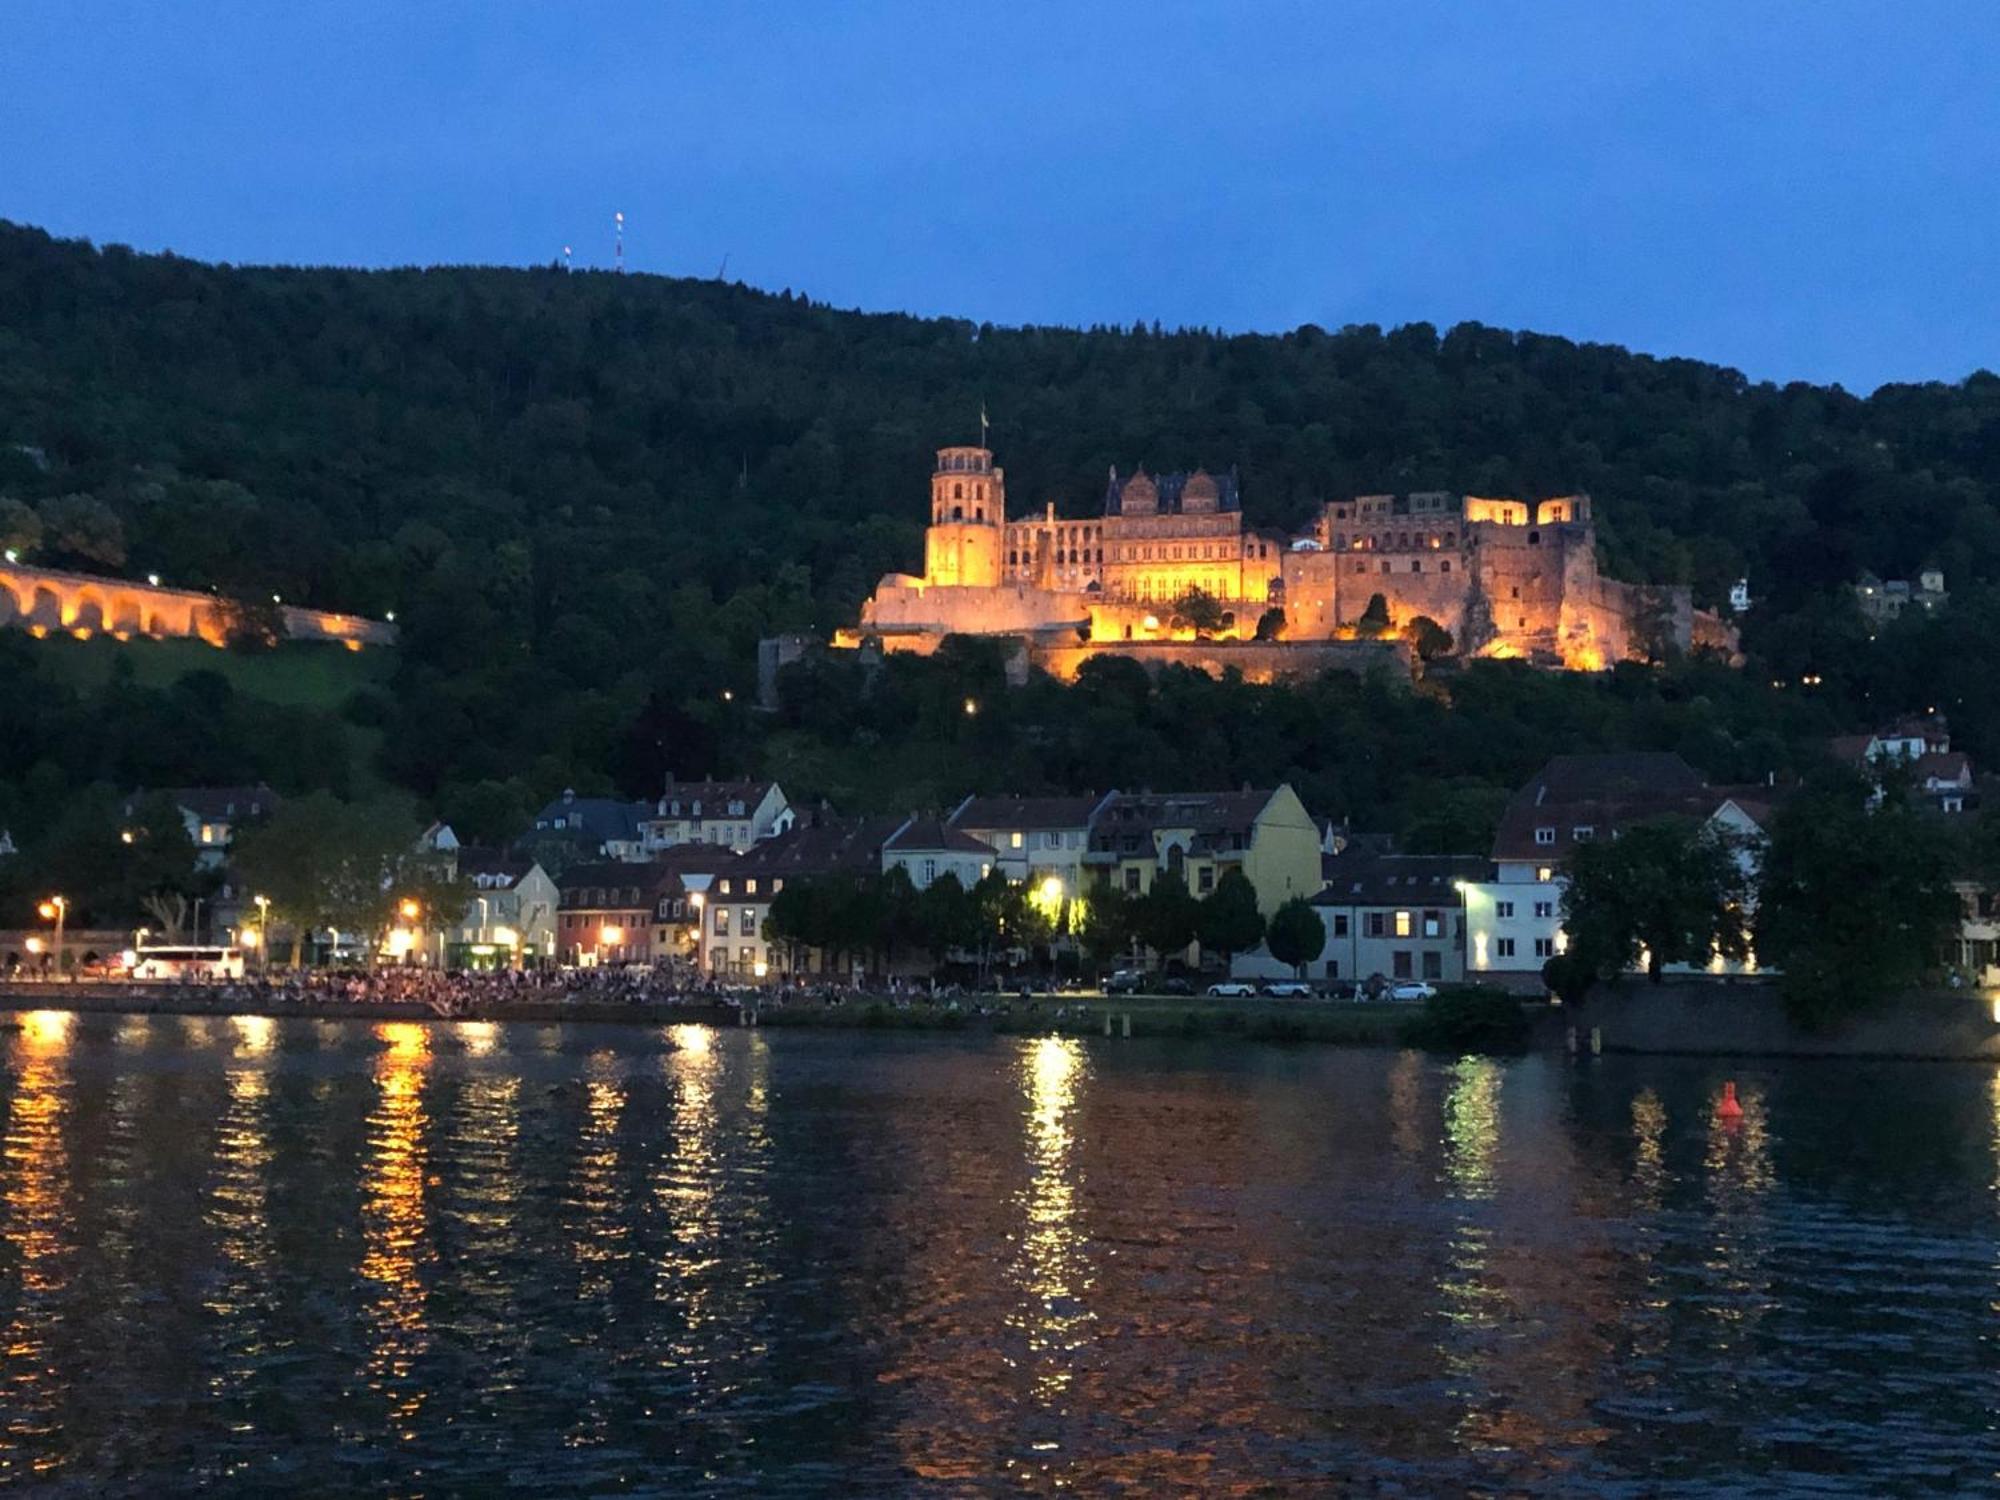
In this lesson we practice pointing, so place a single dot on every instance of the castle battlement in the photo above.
(1504, 576)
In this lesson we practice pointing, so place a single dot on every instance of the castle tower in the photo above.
(968, 520)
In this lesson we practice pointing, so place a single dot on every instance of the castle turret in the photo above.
(968, 519)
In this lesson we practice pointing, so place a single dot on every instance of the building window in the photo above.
(1205, 880)
(1545, 909)
(1399, 963)
(1433, 924)
(1433, 964)
(1131, 880)
(750, 886)
(1583, 833)
(749, 927)
(1340, 924)
(1013, 840)
(722, 921)
(1402, 924)
(1503, 947)
(1545, 873)
(930, 871)
(1376, 924)
(1503, 910)
(1545, 947)
(724, 883)
(1545, 836)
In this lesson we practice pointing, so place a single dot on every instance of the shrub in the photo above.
(1468, 1019)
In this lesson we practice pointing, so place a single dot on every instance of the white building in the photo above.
(510, 913)
(1034, 837)
(1513, 921)
(927, 849)
(727, 814)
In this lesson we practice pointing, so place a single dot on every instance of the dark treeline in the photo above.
(587, 496)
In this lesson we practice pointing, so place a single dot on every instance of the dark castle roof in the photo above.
(1170, 487)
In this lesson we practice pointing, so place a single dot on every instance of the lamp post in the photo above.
(610, 935)
(263, 933)
(56, 909)
(409, 911)
(700, 903)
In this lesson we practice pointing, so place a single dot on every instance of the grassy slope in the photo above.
(301, 674)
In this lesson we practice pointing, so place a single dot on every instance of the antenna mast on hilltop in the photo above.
(565, 258)
(619, 251)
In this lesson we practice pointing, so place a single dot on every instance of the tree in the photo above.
(1109, 922)
(945, 917)
(1229, 922)
(1856, 901)
(328, 864)
(20, 527)
(1271, 624)
(1430, 639)
(1168, 915)
(1197, 610)
(1673, 890)
(1375, 618)
(82, 528)
(1297, 936)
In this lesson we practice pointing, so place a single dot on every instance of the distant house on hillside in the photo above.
(215, 815)
(593, 827)
(1882, 600)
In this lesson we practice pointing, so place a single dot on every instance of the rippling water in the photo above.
(301, 1257)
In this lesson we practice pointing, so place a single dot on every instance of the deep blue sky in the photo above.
(1805, 191)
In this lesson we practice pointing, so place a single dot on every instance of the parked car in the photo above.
(1288, 989)
(1233, 989)
(1174, 984)
(1412, 989)
(1124, 982)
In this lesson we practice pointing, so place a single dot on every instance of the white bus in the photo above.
(184, 963)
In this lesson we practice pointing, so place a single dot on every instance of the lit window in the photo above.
(1402, 924)
(1545, 873)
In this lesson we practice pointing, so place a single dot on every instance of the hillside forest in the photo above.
(586, 496)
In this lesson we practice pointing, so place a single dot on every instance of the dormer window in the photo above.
(1583, 833)
(1545, 836)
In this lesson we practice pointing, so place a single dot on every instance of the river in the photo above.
(304, 1257)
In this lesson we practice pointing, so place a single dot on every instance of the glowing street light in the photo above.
(263, 904)
(971, 708)
(56, 909)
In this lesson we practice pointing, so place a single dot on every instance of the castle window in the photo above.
(1416, 565)
(1516, 593)
(1445, 566)
(1386, 565)
(1534, 539)
(1522, 623)
(958, 492)
(958, 512)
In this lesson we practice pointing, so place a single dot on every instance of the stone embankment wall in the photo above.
(1748, 1020)
(1258, 661)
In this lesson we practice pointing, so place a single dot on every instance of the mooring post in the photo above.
(1128, 1023)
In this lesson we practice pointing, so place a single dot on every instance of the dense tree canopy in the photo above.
(586, 497)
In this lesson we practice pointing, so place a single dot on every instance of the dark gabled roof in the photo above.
(1601, 793)
(627, 882)
(1028, 814)
(1171, 487)
(712, 797)
(475, 861)
(1363, 878)
(218, 803)
(1215, 817)
(933, 834)
(600, 818)
(827, 846)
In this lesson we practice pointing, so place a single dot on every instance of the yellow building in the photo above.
(1267, 834)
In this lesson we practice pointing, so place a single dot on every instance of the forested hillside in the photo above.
(586, 496)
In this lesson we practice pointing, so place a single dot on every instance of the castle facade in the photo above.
(1505, 577)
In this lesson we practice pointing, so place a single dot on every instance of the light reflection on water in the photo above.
(478, 1258)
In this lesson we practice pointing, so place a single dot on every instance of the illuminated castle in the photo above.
(1504, 577)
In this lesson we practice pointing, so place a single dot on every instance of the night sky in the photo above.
(1804, 191)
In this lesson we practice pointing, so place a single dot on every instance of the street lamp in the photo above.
(56, 909)
(409, 910)
(263, 933)
(699, 900)
(610, 935)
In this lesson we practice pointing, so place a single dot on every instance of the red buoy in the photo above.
(1727, 1107)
